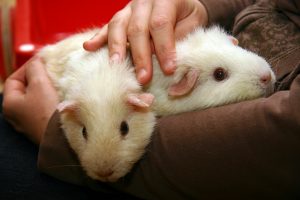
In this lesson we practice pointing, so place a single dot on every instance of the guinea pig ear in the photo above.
(234, 40)
(143, 100)
(67, 106)
(185, 85)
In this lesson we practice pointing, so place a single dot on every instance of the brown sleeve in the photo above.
(223, 12)
(57, 159)
(55, 155)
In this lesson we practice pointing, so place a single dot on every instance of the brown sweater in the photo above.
(247, 150)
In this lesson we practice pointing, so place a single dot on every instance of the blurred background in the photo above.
(27, 25)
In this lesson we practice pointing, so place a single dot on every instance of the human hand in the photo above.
(29, 99)
(149, 26)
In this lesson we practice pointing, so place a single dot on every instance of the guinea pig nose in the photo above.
(265, 78)
(105, 174)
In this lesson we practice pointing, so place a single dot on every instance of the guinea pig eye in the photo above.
(84, 132)
(124, 128)
(220, 74)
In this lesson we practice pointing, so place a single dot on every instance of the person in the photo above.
(246, 150)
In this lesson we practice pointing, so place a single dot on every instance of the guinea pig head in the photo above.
(216, 71)
(110, 134)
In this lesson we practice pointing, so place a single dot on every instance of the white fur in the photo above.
(99, 90)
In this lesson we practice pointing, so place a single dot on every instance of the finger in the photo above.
(139, 39)
(97, 40)
(162, 22)
(35, 70)
(117, 34)
(14, 94)
(16, 83)
(11, 104)
(39, 80)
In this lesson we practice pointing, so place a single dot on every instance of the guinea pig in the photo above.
(212, 70)
(108, 117)
(104, 113)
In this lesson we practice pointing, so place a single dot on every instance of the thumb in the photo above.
(15, 83)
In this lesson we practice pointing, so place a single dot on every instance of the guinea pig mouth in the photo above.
(268, 86)
(106, 176)
(265, 90)
(268, 89)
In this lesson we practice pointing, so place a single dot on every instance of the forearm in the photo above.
(223, 12)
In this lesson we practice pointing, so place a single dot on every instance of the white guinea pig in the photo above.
(212, 70)
(106, 115)
(104, 112)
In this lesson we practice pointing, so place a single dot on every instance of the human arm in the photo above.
(153, 26)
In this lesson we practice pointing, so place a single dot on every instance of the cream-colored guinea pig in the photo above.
(104, 112)
(108, 118)
(212, 70)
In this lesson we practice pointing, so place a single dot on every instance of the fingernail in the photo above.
(141, 75)
(170, 67)
(93, 37)
(115, 58)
